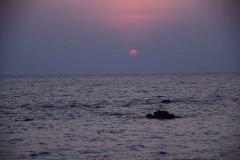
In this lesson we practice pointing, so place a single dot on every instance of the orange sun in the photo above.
(133, 53)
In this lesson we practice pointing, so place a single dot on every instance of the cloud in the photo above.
(124, 19)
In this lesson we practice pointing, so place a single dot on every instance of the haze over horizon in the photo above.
(88, 37)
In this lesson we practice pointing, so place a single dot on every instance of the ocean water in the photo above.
(103, 117)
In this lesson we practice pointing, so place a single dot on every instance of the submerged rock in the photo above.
(161, 115)
(28, 119)
(166, 101)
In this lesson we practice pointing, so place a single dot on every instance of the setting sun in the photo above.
(133, 53)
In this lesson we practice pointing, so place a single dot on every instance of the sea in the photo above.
(102, 117)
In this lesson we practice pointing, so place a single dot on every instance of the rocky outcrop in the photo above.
(161, 115)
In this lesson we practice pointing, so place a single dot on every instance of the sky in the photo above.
(94, 37)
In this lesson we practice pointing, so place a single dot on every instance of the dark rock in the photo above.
(166, 101)
(28, 119)
(161, 115)
(149, 116)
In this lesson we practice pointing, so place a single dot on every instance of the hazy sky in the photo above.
(76, 37)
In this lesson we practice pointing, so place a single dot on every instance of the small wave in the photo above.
(8, 113)
(116, 114)
(47, 106)
(73, 105)
(17, 139)
(127, 104)
(24, 105)
(97, 85)
(85, 105)
(112, 114)
(162, 153)
(43, 153)
(142, 91)
(33, 155)
(150, 101)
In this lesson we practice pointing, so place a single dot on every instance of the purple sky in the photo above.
(82, 37)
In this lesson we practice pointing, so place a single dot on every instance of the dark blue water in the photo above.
(103, 117)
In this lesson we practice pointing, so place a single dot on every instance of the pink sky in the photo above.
(171, 36)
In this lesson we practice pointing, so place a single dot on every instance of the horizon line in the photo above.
(116, 74)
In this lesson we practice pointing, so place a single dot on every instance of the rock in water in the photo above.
(149, 116)
(161, 115)
(166, 101)
(28, 119)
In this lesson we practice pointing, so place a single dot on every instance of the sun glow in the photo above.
(133, 53)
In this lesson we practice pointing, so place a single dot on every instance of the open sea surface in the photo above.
(103, 117)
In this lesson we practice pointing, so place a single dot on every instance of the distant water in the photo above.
(103, 117)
